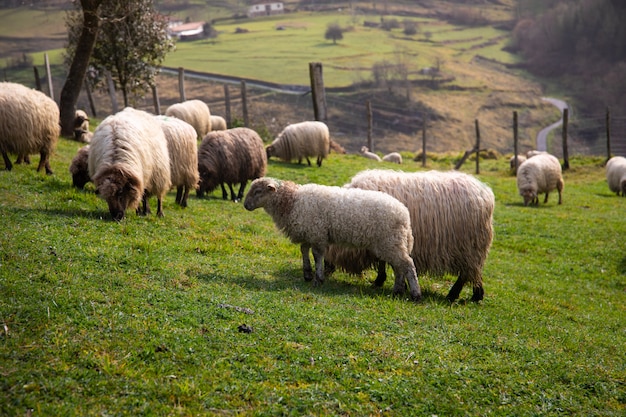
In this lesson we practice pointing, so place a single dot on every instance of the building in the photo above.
(186, 31)
(266, 9)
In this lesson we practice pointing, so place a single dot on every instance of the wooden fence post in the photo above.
(477, 147)
(155, 100)
(37, 80)
(229, 123)
(317, 91)
(515, 143)
(370, 123)
(90, 99)
(244, 103)
(424, 121)
(111, 85)
(608, 134)
(49, 76)
(565, 152)
(181, 83)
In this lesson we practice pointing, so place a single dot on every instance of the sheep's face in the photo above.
(529, 195)
(260, 192)
(79, 179)
(119, 191)
(208, 180)
(269, 151)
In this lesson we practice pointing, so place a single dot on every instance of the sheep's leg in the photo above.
(224, 193)
(179, 195)
(308, 161)
(159, 207)
(318, 256)
(23, 159)
(319, 161)
(145, 206)
(545, 200)
(559, 187)
(7, 162)
(405, 273)
(381, 277)
(306, 262)
(232, 193)
(183, 201)
(44, 161)
(242, 188)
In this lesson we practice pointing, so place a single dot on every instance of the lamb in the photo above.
(539, 174)
(218, 123)
(301, 140)
(451, 220)
(370, 155)
(29, 123)
(81, 127)
(394, 157)
(194, 112)
(316, 216)
(183, 150)
(79, 168)
(229, 157)
(616, 175)
(129, 161)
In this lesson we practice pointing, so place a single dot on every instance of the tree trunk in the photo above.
(78, 68)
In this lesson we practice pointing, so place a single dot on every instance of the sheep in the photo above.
(81, 127)
(520, 161)
(194, 112)
(539, 174)
(451, 220)
(394, 157)
(316, 216)
(229, 157)
(534, 152)
(370, 155)
(218, 123)
(29, 123)
(616, 175)
(129, 161)
(79, 168)
(301, 140)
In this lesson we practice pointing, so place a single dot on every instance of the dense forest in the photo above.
(580, 43)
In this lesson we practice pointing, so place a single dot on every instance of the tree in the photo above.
(85, 40)
(334, 32)
(131, 45)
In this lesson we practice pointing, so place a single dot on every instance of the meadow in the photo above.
(142, 317)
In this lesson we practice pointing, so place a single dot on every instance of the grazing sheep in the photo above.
(129, 162)
(451, 220)
(29, 123)
(301, 140)
(370, 155)
(316, 216)
(194, 112)
(520, 161)
(616, 175)
(229, 157)
(218, 123)
(79, 168)
(394, 157)
(183, 149)
(533, 152)
(81, 127)
(539, 174)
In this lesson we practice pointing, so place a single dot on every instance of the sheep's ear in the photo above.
(271, 187)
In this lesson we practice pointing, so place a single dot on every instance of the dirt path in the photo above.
(541, 142)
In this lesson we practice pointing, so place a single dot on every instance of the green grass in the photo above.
(105, 318)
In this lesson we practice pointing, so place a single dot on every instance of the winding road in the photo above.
(541, 142)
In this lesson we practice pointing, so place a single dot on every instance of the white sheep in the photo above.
(129, 161)
(218, 123)
(370, 155)
(520, 160)
(194, 112)
(29, 123)
(316, 216)
(183, 150)
(81, 127)
(616, 175)
(301, 140)
(539, 174)
(534, 152)
(451, 220)
(394, 157)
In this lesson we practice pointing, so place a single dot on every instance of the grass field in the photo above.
(141, 317)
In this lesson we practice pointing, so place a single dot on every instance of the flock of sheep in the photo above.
(423, 222)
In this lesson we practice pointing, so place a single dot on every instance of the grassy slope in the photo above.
(125, 318)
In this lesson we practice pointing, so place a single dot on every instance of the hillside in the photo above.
(474, 80)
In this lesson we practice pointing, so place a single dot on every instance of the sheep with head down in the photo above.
(218, 123)
(129, 162)
(316, 216)
(301, 140)
(369, 155)
(29, 123)
(231, 156)
(393, 157)
(79, 168)
(616, 175)
(539, 174)
(452, 226)
(194, 112)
